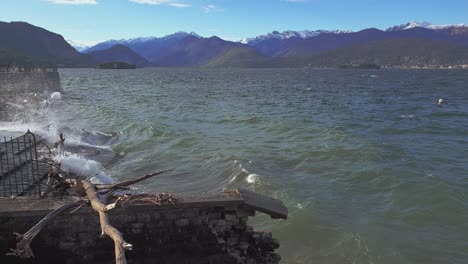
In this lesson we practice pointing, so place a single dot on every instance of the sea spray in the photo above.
(74, 163)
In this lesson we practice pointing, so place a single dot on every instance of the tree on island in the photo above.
(116, 65)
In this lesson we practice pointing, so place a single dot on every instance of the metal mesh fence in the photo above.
(21, 173)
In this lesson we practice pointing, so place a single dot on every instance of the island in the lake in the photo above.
(360, 66)
(116, 65)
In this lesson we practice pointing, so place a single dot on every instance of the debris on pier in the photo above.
(163, 228)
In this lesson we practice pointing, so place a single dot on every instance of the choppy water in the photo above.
(372, 170)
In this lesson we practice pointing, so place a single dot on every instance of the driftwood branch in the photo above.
(122, 185)
(157, 199)
(106, 228)
(23, 245)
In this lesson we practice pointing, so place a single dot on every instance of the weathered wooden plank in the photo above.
(273, 207)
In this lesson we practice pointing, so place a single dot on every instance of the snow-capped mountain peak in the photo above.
(424, 24)
(78, 46)
(414, 24)
(136, 40)
(181, 35)
(304, 34)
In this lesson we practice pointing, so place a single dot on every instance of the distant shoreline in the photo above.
(246, 68)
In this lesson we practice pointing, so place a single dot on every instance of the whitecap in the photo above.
(252, 178)
(242, 173)
(15, 105)
(22, 127)
(51, 133)
(56, 96)
(75, 163)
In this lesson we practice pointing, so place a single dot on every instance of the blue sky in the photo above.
(91, 21)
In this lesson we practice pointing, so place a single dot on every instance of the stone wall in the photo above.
(193, 234)
(29, 82)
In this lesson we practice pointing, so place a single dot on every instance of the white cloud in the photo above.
(161, 2)
(74, 2)
(212, 8)
(179, 5)
(152, 2)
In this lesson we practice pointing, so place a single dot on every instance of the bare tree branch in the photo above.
(23, 245)
(106, 228)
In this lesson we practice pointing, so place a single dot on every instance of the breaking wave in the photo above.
(83, 149)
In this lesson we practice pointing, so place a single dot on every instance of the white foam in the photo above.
(48, 133)
(43, 123)
(15, 105)
(56, 96)
(72, 162)
(252, 178)
(74, 140)
(244, 174)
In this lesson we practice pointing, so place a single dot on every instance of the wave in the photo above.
(51, 133)
(242, 174)
(56, 96)
(76, 164)
(83, 148)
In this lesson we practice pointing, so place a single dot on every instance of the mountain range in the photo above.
(408, 45)
(119, 52)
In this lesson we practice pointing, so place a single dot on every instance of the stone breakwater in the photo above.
(198, 230)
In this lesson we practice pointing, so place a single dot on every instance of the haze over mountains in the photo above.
(408, 45)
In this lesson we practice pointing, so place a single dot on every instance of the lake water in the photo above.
(371, 168)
